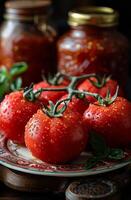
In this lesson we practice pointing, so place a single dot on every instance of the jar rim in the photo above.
(30, 4)
(93, 15)
(26, 10)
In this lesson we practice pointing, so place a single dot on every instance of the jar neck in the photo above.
(26, 18)
(92, 28)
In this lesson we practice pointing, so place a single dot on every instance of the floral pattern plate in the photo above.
(19, 158)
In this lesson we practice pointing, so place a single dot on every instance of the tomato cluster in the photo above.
(61, 139)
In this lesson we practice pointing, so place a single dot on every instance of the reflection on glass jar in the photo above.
(26, 36)
(93, 44)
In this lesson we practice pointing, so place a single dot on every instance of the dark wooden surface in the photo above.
(10, 194)
(122, 178)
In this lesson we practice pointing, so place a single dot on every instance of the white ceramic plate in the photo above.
(19, 158)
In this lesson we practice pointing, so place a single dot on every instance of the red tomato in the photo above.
(49, 95)
(56, 140)
(15, 111)
(110, 84)
(113, 122)
(76, 104)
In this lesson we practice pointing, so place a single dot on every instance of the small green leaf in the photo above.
(101, 101)
(2, 79)
(99, 82)
(29, 94)
(113, 98)
(98, 145)
(4, 82)
(18, 68)
(3, 75)
(92, 162)
(51, 105)
(108, 95)
(3, 71)
(62, 109)
(16, 85)
(56, 79)
(116, 154)
(4, 88)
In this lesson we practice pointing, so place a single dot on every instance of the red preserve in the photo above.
(93, 44)
(26, 36)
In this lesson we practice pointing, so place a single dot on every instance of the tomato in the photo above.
(15, 111)
(77, 104)
(110, 85)
(49, 95)
(56, 140)
(113, 122)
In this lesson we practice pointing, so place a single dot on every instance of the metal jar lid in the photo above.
(90, 190)
(26, 10)
(96, 16)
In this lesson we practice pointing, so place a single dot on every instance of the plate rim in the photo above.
(64, 174)
(35, 171)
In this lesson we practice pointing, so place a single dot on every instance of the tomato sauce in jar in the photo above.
(93, 45)
(26, 36)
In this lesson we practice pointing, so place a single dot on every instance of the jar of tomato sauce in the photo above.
(93, 44)
(26, 36)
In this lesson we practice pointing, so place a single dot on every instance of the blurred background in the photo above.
(61, 8)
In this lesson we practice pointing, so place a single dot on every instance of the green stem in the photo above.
(86, 76)
(69, 77)
(58, 103)
(52, 89)
(95, 95)
(57, 78)
(53, 111)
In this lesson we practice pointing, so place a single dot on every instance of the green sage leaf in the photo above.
(4, 88)
(4, 82)
(16, 85)
(18, 68)
(116, 154)
(92, 162)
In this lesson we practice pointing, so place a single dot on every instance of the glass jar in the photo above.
(93, 44)
(26, 36)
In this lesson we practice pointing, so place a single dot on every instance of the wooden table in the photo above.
(123, 180)
(10, 194)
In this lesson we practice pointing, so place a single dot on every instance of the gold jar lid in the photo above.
(96, 16)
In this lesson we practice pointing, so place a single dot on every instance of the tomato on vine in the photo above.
(56, 140)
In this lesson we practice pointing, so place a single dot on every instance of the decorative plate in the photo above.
(19, 158)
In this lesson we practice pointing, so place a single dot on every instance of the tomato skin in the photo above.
(110, 84)
(76, 104)
(113, 122)
(49, 95)
(56, 140)
(15, 111)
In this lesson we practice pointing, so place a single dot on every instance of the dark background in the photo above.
(61, 8)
